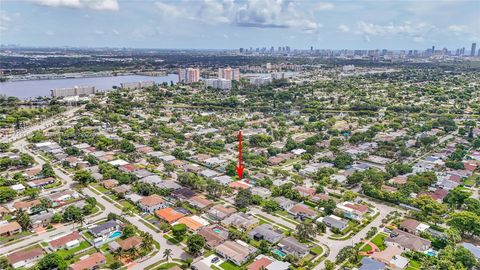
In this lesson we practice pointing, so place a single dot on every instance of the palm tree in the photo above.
(117, 253)
(305, 230)
(167, 254)
(147, 241)
(133, 252)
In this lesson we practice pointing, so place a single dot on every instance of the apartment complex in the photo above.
(73, 91)
(188, 75)
(229, 73)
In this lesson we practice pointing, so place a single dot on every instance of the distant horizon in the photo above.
(232, 24)
(467, 48)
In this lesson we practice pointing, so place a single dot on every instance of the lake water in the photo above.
(35, 88)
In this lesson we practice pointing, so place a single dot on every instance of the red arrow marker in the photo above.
(240, 167)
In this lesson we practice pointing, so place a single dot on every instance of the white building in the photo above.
(73, 91)
(222, 84)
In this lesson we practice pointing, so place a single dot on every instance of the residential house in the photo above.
(261, 191)
(41, 219)
(40, 183)
(284, 203)
(370, 264)
(305, 192)
(25, 258)
(237, 252)
(94, 261)
(391, 258)
(68, 241)
(335, 222)
(290, 245)
(129, 243)
(240, 221)
(105, 229)
(110, 183)
(26, 205)
(9, 229)
(301, 210)
(265, 232)
(193, 223)
(224, 179)
(152, 203)
(352, 210)
(122, 189)
(168, 214)
(200, 202)
(407, 241)
(214, 235)
(267, 263)
(220, 212)
(183, 194)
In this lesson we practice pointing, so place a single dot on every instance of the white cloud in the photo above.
(49, 33)
(457, 28)
(343, 28)
(274, 14)
(115, 32)
(4, 21)
(171, 11)
(325, 6)
(110, 5)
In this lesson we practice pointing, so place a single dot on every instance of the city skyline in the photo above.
(212, 24)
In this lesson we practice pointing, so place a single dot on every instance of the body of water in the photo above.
(35, 88)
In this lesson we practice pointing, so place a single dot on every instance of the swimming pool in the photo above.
(431, 253)
(115, 234)
(279, 253)
(217, 230)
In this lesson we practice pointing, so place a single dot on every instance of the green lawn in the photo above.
(414, 264)
(229, 266)
(366, 248)
(167, 265)
(317, 250)
(65, 253)
(379, 240)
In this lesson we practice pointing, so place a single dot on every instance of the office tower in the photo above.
(241, 50)
(433, 50)
(311, 48)
(229, 73)
(188, 75)
(474, 47)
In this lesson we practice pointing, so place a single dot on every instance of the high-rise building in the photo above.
(229, 73)
(474, 49)
(433, 50)
(188, 75)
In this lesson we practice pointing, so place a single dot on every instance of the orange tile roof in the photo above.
(191, 223)
(130, 242)
(169, 214)
(152, 200)
(64, 239)
(258, 264)
(95, 259)
(239, 184)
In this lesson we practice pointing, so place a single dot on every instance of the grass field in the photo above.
(65, 253)
(229, 266)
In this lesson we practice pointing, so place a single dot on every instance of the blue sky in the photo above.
(216, 24)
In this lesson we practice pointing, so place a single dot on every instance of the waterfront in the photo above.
(35, 88)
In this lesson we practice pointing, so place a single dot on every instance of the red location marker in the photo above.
(240, 167)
